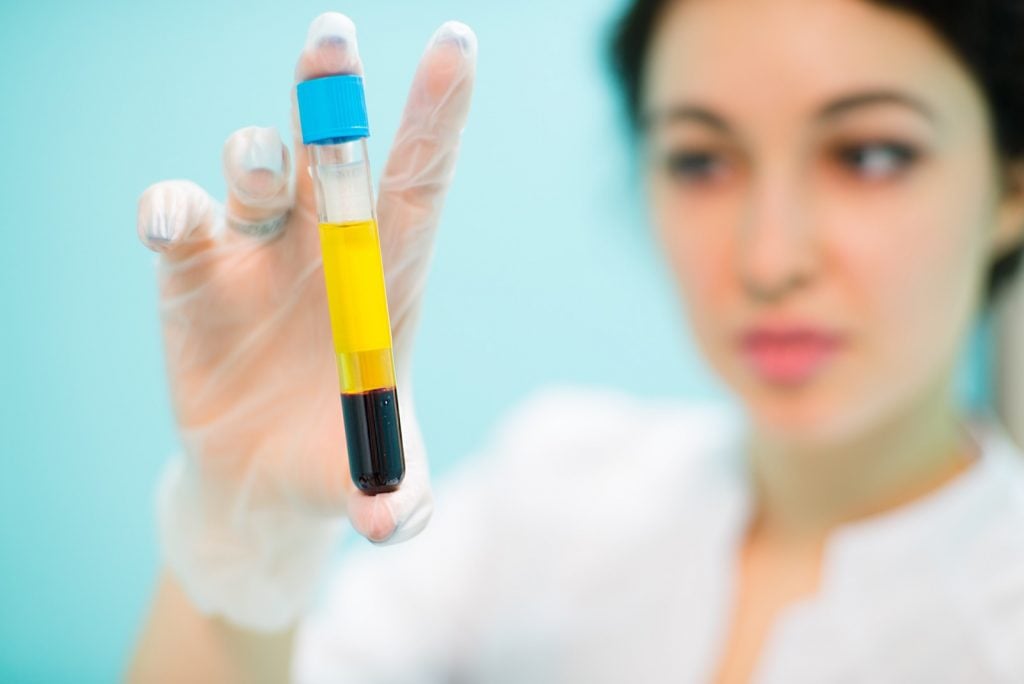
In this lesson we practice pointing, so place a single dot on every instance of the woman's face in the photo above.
(823, 180)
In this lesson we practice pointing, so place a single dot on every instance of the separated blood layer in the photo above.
(362, 342)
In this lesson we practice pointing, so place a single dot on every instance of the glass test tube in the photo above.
(332, 113)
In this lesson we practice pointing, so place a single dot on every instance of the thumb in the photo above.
(397, 516)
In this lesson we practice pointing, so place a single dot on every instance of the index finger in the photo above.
(331, 48)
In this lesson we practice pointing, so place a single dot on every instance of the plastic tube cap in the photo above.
(332, 109)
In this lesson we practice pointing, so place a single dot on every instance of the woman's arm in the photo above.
(180, 644)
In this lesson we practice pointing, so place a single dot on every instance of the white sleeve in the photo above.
(411, 612)
(434, 608)
(400, 613)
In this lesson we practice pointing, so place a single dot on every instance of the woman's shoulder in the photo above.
(596, 438)
(1002, 471)
(989, 564)
(592, 421)
(581, 411)
(597, 471)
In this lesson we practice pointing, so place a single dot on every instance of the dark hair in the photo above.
(987, 36)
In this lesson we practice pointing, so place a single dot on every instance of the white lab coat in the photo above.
(595, 541)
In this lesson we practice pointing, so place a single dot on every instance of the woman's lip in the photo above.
(788, 355)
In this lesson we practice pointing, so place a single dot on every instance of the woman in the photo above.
(838, 186)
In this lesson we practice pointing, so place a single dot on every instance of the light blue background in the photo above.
(544, 270)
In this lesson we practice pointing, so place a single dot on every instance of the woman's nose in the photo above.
(777, 251)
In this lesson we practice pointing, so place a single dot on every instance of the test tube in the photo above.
(332, 115)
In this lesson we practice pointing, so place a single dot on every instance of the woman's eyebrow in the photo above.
(846, 103)
(684, 112)
(842, 105)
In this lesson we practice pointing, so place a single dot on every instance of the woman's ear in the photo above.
(1009, 229)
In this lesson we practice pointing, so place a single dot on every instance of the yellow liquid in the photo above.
(358, 304)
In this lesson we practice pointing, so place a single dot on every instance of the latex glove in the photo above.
(250, 511)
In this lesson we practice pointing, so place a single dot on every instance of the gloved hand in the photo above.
(249, 512)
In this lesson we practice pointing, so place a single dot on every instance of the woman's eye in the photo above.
(692, 165)
(877, 160)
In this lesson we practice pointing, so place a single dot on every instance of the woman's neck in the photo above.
(803, 491)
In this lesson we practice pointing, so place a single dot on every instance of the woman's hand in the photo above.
(245, 319)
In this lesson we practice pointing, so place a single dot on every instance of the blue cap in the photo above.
(332, 109)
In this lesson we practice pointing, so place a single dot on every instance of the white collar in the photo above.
(888, 548)
(926, 534)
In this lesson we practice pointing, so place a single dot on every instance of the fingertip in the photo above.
(156, 228)
(449, 60)
(256, 164)
(372, 516)
(457, 34)
(168, 212)
(331, 47)
(332, 28)
(415, 522)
